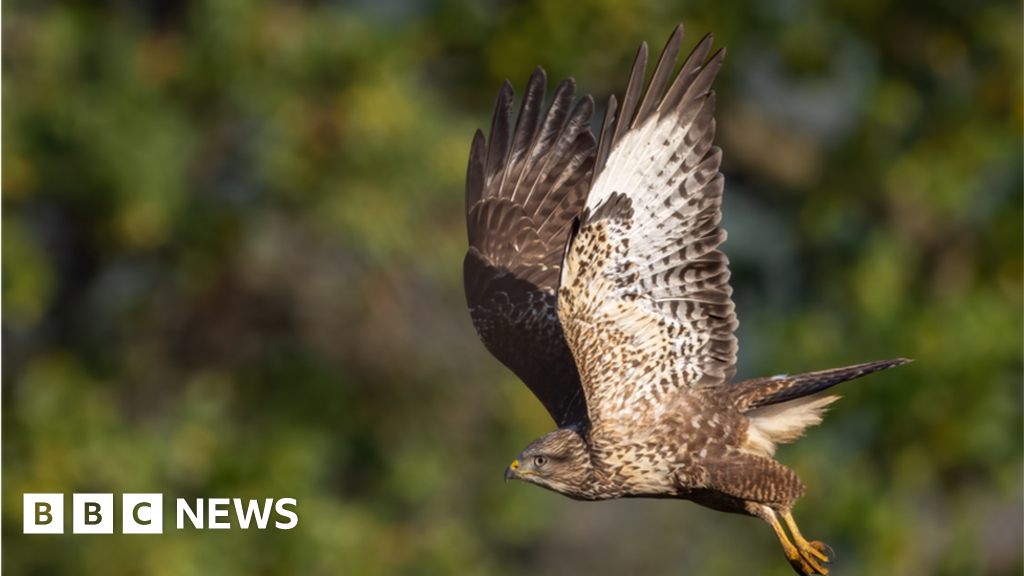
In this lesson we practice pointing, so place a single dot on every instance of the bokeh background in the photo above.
(232, 246)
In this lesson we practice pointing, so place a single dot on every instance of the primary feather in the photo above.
(643, 276)
(522, 197)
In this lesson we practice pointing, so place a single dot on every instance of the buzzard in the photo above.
(593, 273)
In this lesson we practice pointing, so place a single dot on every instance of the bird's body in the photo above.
(627, 461)
(594, 274)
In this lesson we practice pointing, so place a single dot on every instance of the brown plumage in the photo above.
(594, 274)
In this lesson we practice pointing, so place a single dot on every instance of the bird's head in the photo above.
(558, 461)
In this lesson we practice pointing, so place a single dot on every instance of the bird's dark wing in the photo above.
(645, 300)
(521, 202)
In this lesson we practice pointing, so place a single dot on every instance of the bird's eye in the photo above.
(540, 461)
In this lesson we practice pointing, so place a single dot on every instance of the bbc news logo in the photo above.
(144, 513)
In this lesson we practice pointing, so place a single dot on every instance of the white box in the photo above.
(92, 513)
(46, 507)
(142, 514)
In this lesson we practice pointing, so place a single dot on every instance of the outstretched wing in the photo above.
(521, 201)
(645, 300)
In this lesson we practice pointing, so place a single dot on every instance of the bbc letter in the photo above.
(142, 514)
(92, 514)
(217, 513)
(197, 518)
(43, 513)
(287, 513)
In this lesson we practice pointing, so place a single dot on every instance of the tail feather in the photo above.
(761, 392)
(780, 408)
(784, 422)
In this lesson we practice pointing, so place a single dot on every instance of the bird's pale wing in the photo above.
(521, 202)
(644, 299)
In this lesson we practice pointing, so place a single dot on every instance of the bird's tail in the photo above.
(780, 408)
(761, 392)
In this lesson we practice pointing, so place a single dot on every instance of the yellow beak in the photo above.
(512, 471)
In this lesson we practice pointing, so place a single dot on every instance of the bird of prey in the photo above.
(594, 274)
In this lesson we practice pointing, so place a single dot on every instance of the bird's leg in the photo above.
(819, 550)
(803, 562)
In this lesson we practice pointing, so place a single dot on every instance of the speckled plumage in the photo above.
(594, 274)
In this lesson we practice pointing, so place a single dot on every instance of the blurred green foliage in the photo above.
(232, 245)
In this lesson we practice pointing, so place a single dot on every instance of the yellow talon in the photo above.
(815, 549)
(805, 557)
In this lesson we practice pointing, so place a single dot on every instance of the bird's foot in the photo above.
(821, 551)
(807, 557)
